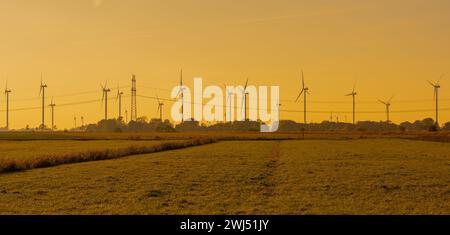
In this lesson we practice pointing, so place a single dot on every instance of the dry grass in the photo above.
(366, 176)
(11, 164)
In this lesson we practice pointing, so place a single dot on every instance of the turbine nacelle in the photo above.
(6, 89)
(105, 90)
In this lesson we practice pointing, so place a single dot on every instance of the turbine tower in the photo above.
(229, 95)
(133, 99)
(244, 101)
(42, 91)
(388, 105)
(52, 106)
(353, 94)
(181, 93)
(160, 108)
(304, 91)
(119, 97)
(105, 98)
(7, 91)
(436, 87)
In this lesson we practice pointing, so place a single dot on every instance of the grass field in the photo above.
(366, 176)
(32, 149)
(25, 155)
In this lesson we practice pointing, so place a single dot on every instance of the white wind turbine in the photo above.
(436, 87)
(304, 91)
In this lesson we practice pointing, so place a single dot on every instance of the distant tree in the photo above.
(446, 126)
(107, 125)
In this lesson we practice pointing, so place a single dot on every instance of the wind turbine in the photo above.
(119, 97)
(181, 92)
(388, 105)
(353, 94)
(42, 90)
(160, 108)
(244, 101)
(304, 91)
(105, 90)
(229, 95)
(75, 121)
(7, 91)
(52, 106)
(436, 87)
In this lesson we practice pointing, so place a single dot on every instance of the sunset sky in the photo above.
(387, 47)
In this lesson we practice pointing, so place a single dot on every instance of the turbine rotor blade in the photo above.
(298, 97)
(442, 75)
(243, 100)
(180, 91)
(382, 102)
(389, 101)
(303, 81)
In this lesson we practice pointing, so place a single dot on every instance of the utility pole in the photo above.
(105, 91)
(52, 106)
(133, 99)
(43, 86)
(119, 95)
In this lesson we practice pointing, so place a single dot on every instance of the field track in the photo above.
(361, 176)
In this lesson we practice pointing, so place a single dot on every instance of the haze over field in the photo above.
(387, 47)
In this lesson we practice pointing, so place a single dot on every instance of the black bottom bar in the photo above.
(223, 223)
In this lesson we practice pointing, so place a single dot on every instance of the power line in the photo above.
(313, 111)
(321, 101)
(60, 105)
(281, 110)
(66, 95)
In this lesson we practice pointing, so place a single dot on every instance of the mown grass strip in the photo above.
(13, 165)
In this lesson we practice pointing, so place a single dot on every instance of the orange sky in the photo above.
(387, 47)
